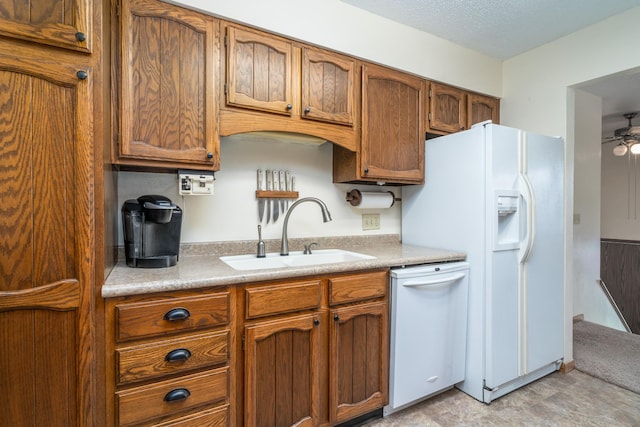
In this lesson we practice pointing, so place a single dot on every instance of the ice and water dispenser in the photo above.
(507, 220)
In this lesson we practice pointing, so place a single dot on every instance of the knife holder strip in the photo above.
(263, 194)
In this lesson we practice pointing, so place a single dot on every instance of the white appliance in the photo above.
(428, 331)
(497, 193)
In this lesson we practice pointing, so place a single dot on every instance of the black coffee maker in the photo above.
(151, 226)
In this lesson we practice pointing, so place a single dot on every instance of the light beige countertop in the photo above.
(200, 266)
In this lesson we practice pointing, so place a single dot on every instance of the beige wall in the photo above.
(538, 95)
(336, 25)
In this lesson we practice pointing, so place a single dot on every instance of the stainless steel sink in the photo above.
(294, 259)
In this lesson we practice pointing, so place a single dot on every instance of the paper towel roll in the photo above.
(370, 200)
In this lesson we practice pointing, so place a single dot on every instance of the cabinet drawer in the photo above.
(161, 316)
(358, 287)
(149, 402)
(276, 299)
(147, 361)
(210, 418)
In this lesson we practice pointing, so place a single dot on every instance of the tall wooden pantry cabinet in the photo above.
(50, 104)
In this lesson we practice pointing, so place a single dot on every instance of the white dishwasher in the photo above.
(428, 331)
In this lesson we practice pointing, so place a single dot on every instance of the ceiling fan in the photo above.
(628, 137)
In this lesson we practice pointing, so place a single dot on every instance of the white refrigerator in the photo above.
(497, 193)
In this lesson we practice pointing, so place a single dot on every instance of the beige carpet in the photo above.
(608, 354)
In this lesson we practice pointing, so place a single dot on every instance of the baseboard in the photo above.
(567, 367)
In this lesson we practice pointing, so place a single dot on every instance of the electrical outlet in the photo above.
(371, 221)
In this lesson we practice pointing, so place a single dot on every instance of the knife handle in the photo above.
(269, 180)
(259, 179)
(287, 179)
(283, 184)
(276, 185)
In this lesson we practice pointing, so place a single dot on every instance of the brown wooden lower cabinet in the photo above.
(169, 359)
(317, 366)
(282, 372)
(359, 360)
(310, 351)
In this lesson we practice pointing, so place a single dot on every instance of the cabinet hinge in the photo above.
(225, 40)
(243, 343)
(429, 116)
(225, 88)
(430, 93)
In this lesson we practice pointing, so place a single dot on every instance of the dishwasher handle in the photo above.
(439, 281)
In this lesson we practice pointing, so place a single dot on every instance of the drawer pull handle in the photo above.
(178, 355)
(177, 394)
(177, 314)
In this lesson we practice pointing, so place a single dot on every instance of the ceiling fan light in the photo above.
(621, 149)
(635, 149)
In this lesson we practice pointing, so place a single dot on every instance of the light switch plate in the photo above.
(195, 183)
(370, 221)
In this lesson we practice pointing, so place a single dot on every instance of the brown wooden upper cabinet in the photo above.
(447, 109)
(168, 70)
(61, 23)
(392, 143)
(271, 74)
(452, 109)
(327, 86)
(259, 71)
(481, 108)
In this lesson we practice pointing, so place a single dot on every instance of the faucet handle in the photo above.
(307, 248)
(261, 252)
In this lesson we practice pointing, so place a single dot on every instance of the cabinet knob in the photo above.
(82, 75)
(178, 355)
(177, 314)
(177, 394)
(316, 322)
(209, 155)
(366, 170)
(336, 318)
(307, 110)
(289, 107)
(81, 36)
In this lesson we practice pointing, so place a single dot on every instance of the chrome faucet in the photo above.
(326, 217)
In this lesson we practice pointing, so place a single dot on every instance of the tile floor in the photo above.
(573, 399)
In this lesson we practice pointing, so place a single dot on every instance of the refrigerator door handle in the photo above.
(441, 281)
(526, 192)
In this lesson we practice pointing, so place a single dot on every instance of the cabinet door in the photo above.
(62, 23)
(392, 147)
(359, 360)
(282, 372)
(447, 108)
(327, 86)
(259, 71)
(481, 108)
(168, 72)
(46, 239)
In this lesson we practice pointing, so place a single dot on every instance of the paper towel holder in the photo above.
(354, 197)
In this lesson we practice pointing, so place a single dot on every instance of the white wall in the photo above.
(345, 28)
(588, 297)
(231, 213)
(620, 195)
(537, 96)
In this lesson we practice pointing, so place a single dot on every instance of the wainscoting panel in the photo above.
(620, 271)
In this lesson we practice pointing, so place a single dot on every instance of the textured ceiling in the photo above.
(498, 28)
